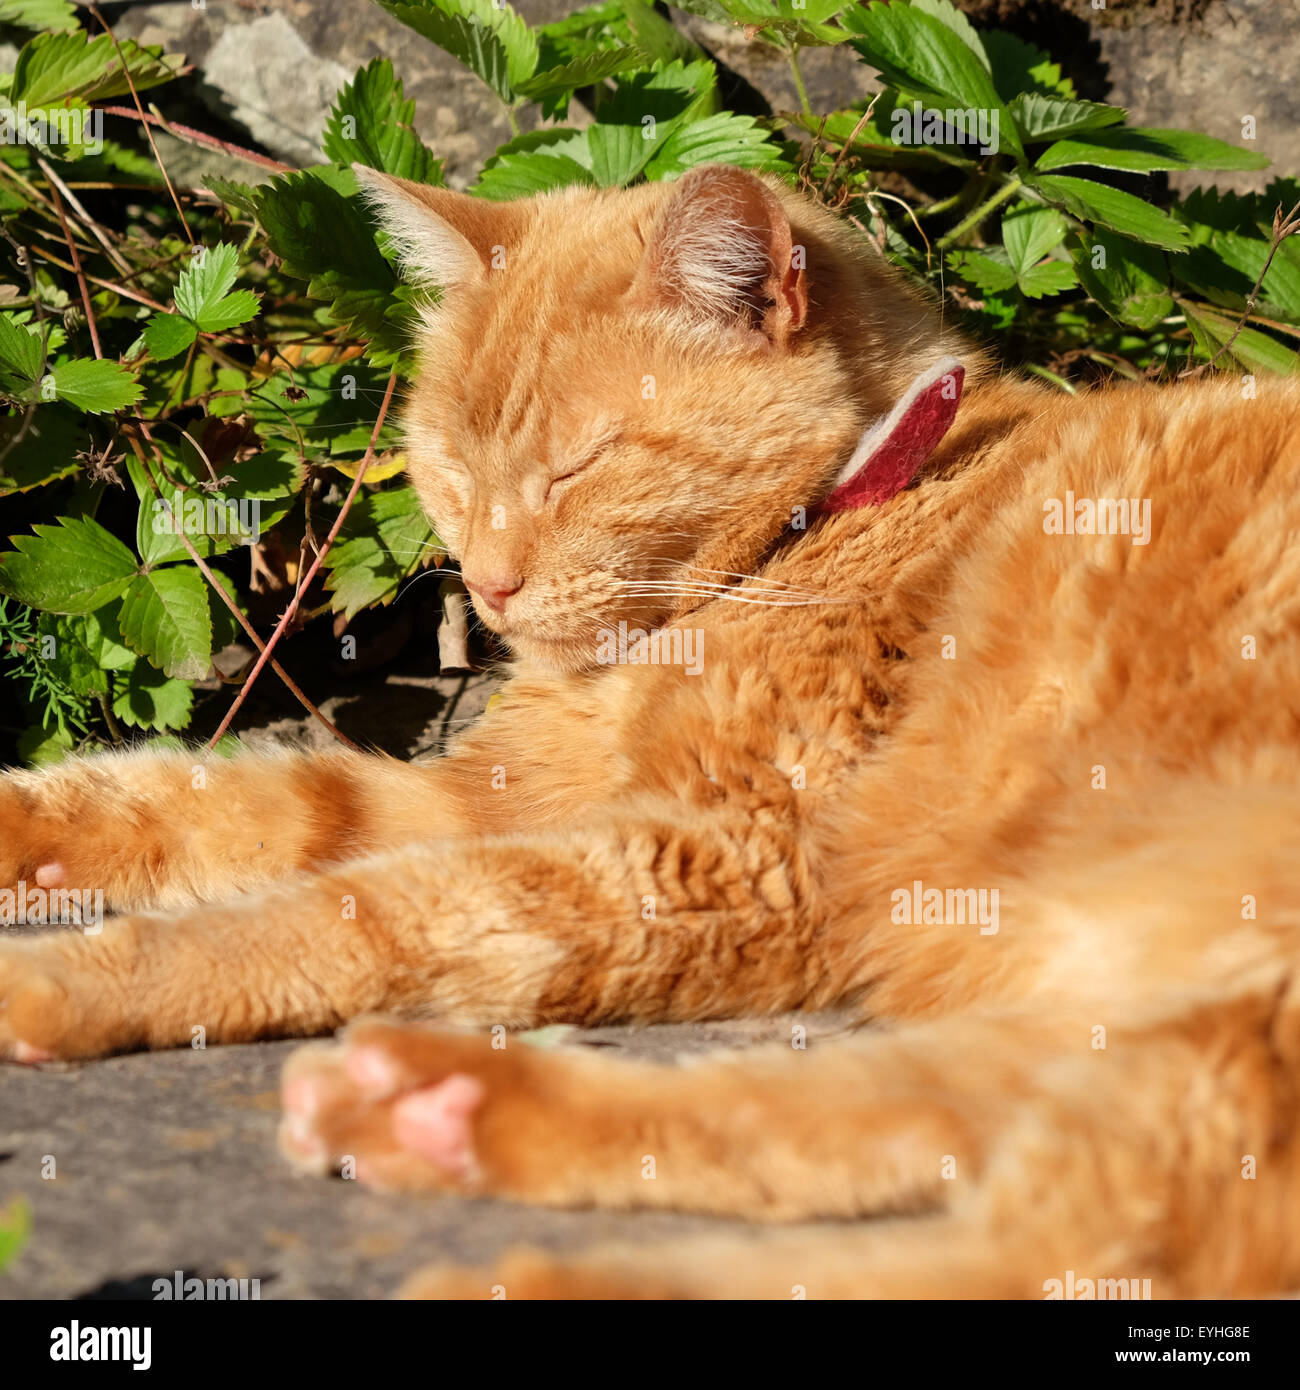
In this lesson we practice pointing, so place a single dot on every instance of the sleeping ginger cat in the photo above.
(1087, 1042)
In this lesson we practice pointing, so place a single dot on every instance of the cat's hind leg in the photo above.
(1022, 1156)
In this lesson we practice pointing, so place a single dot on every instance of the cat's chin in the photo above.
(557, 654)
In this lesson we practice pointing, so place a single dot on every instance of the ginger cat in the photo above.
(1087, 1048)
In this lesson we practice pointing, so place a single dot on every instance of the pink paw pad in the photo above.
(25, 1052)
(51, 876)
(437, 1122)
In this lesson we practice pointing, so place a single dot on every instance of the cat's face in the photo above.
(620, 402)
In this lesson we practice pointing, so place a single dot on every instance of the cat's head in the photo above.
(625, 396)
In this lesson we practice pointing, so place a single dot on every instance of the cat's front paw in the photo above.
(403, 1107)
(62, 998)
(65, 857)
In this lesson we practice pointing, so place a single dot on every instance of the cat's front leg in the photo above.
(134, 830)
(649, 918)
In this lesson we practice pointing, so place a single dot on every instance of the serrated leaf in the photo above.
(1029, 232)
(1109, 207)
(39, 14)
(1129, 280)
(1043, 117)
(720, 139)
(1052, 277)
(20, 358)
(73, 566)
(148, 699)
(489, 39)
(168, 335)
(202, 291)
(371, 124)
(948, 14)
(1146, 151)
(1021, 68)
(918, 54)
(385, 538)
(95, 386)
(988, 270)
(327, 240)
(164, 617)
(523, 175)
(84, 649)
(54, 68)
(583, 72)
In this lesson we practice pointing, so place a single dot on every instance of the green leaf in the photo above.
(242, 196)
(918, 54)
(1049, 118)
(583, 72)
(54, 68)
(47, 450)
(1230, 243)
(15, 1227)
(96, 387)
(1052, 277)
(988, 271)
(168, 335)
(1021, 69)
(164, 617)
(1251, 350)
(1129, 280)
(522, 175)
(1029, 232)
(618, 153)
(20, 358)
(148, 699)
(493, 42)
(1145, 151)
(39, 14)
(74, 566)
(720, 139)
(385, 537)
(371, 124)
(85, 649)
(202, 292)
(38, 746)
(950, 16)
(1109, 207)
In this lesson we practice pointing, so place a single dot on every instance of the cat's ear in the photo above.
(723, 252)
(443, 238)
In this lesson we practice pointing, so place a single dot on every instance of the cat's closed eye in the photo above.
(557, 483)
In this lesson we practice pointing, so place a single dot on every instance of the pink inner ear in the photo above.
(908, 436)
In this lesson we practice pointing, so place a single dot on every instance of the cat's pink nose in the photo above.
(495, 589)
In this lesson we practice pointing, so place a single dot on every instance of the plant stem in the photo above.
(804, 103)
(305, 580)
(1008, 190)
(514, 123)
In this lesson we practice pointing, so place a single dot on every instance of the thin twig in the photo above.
(292, 609)
(77, 270)
(135, 96)
(1283, 227)
(198, 137)
(87, 220)
(210, 575)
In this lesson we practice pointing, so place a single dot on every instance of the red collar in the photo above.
(894, 448)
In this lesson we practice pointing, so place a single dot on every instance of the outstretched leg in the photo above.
(643, 917)
(1039, 1165)
(166, 830)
